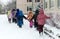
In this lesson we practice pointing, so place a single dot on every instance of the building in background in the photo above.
(51, 6)
(26, 4)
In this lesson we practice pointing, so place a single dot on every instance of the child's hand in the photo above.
(27, 19)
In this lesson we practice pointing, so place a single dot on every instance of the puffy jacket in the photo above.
(30, 15)
(9, 14)
(20, 16)
(41, 17)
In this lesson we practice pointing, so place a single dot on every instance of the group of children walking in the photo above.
(39, 18)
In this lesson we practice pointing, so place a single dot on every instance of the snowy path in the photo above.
(12, 31)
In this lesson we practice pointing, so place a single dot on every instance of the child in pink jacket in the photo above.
(41, 20)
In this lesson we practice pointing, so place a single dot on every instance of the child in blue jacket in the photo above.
(20, 16)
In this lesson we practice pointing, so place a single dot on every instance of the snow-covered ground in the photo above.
(12, 31)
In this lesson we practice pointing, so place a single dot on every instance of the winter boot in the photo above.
(20, 26)
(30, 26)
(37, 29)
(41, 33)
(9, 20)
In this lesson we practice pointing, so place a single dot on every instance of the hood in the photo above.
(13, 10)
(41, 11)
(17, 10)
(21, 13)
(37, 11)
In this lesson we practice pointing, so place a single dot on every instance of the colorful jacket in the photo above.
(41, 17)
(9, 14)
(30, 15)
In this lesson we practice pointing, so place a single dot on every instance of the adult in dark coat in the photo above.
(20, 17)
(35, 17)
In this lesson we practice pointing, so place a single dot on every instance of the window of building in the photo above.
(27, 8)
(51, 2)
(58, 3)
(29, 0)
(45, 4)
(37, 0)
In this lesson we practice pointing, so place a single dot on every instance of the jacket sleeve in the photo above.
(33, 17)
(27, 15)
(47, 17)
(24, 17)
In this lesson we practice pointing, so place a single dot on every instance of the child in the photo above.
(35, 17)
(9, 16)
(29, 17)
(20, 16)
(13, 15)
(41, 20)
